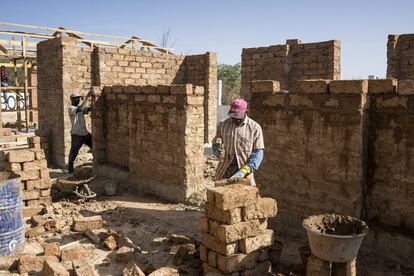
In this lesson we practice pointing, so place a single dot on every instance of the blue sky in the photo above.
(228, 26)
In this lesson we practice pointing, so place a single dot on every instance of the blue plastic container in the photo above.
(11, 215)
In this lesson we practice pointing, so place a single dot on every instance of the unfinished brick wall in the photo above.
(391, 166)
(155, 133)
(400, 56)
(338, 146)
(290, 62)
(75, 68)
(313, 146)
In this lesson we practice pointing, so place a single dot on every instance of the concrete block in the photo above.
(405, 87)
(348, 86)
(265, 86)
(264, 208)
(312, 86)
(384, 86)
(248, 245)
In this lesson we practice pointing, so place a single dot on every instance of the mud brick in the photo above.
(203, 224)
(35, 165)
(237, 262)
(52, 249)
(33, 140)
(233, 196)
(9, 262)
(92, 236)
(348, 86)
(234, 232)
(45, 192)
(405, 87)
(203, 253)
(53, 225)
(181, 89)
(32, 263)
(38, 184)
(110, 243)
(255, 243)
(81, 267)
(31, 211)
(39, 154)
(124, 254)
(265, 86)
(83, 223)
(28, 195)
(260, 269)
(74, 253)
(212, 258)
(382, 86)
(316, 266)
(230, 216)
(344, 269)
(35, 146)
(35, 231)
(46, 200)
(210, 197)
(19, 156)
(163, 89)
(54, 268)
(312, 86)
(264, 208)
(29, 175)
(12, 167)
(132, 270)
(209, 270)
(149, 89)
(219, 246)
(44, 174)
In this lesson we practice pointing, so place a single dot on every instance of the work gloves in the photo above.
(244, 170)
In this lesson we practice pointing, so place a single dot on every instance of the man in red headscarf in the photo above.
(241, 142)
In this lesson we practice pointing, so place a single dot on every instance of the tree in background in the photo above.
(230, 76)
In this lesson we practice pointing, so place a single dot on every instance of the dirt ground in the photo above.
(148, 221)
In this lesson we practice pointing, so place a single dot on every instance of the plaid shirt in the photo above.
(239, 141)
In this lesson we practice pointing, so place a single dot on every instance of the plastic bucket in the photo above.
(11, 215)
(334, 248)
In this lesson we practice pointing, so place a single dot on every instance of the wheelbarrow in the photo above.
(78, 187)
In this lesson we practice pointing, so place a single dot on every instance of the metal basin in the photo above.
(335, 238)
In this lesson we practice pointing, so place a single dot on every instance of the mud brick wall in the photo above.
(390, 198)
(155, 133)
(339, 146)
(290, 62)
(79, 68)
(400, 56)
(313, 146)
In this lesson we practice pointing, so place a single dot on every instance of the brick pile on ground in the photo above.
(31, 165)
(235, 238)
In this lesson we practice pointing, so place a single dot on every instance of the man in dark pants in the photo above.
(80, 135)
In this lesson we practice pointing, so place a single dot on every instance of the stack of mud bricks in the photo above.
(235, 238)
(30, 164)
